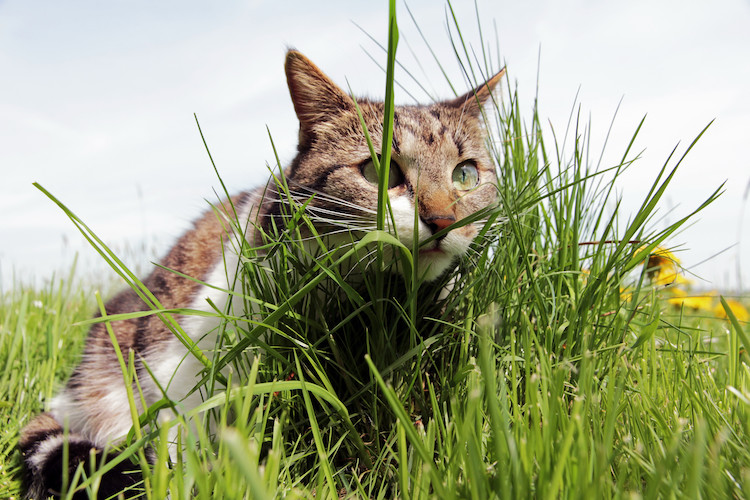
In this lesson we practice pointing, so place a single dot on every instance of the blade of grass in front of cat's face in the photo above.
(388, 113)
(387, 143)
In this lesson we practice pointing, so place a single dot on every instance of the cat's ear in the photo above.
(315, 97)
(474, 100)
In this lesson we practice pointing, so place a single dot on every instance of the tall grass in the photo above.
(552, 369)
(39, 343)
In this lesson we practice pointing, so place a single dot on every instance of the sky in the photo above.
(97, 104)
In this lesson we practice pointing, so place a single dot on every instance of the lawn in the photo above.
(571, 358)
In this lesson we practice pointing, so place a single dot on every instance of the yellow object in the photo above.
(694, 302)
(739, 311)
(664, 268)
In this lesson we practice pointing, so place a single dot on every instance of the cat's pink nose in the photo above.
(439, 222)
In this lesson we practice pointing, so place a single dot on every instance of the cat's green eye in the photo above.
(465, 176)
(395, 177)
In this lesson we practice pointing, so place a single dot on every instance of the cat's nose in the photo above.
(439, 222)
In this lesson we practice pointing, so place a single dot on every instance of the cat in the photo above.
(440, 160)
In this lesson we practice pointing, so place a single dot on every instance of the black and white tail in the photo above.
(43, 444)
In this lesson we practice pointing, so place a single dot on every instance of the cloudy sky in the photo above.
(97, 102)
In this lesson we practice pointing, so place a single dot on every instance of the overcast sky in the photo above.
(97, 102)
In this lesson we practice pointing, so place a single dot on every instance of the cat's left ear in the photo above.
(317, 100)
(474, 100)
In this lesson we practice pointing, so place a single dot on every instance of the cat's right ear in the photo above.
(473, 101)
(315, 97)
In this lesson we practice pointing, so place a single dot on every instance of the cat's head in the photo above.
(440, 170)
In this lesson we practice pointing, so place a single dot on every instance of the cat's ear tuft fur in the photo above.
(315, 97)
(473, 101)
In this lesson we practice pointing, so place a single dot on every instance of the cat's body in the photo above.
(440, 160)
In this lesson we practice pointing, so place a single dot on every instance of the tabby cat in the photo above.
(440, 173)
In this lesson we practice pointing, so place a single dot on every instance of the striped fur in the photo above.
(429, 143)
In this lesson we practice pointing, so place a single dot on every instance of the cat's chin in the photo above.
(433, 263)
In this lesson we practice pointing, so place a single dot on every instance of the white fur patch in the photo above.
(174, 367)
(101, 421)
(452, 245)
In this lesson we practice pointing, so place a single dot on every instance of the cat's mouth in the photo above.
(433, 259)
(433, 249)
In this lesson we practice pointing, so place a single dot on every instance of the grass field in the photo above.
(571, 359)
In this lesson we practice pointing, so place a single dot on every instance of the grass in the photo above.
(559, 365)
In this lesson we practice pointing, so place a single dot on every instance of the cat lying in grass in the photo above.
(440, 173)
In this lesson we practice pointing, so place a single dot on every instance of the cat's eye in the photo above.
(465, 176)
(395, 177)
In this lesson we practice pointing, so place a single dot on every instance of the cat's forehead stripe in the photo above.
(425, 124)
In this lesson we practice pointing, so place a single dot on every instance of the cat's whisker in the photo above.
(369, 258)
(296, 197)
(331, 233)
(306, 192)
(365, 261)
(314, 211)
(365, 214)
(352, 226)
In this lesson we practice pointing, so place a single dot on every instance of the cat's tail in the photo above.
(49, 453)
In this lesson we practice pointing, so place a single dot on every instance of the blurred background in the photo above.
(97, 103)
